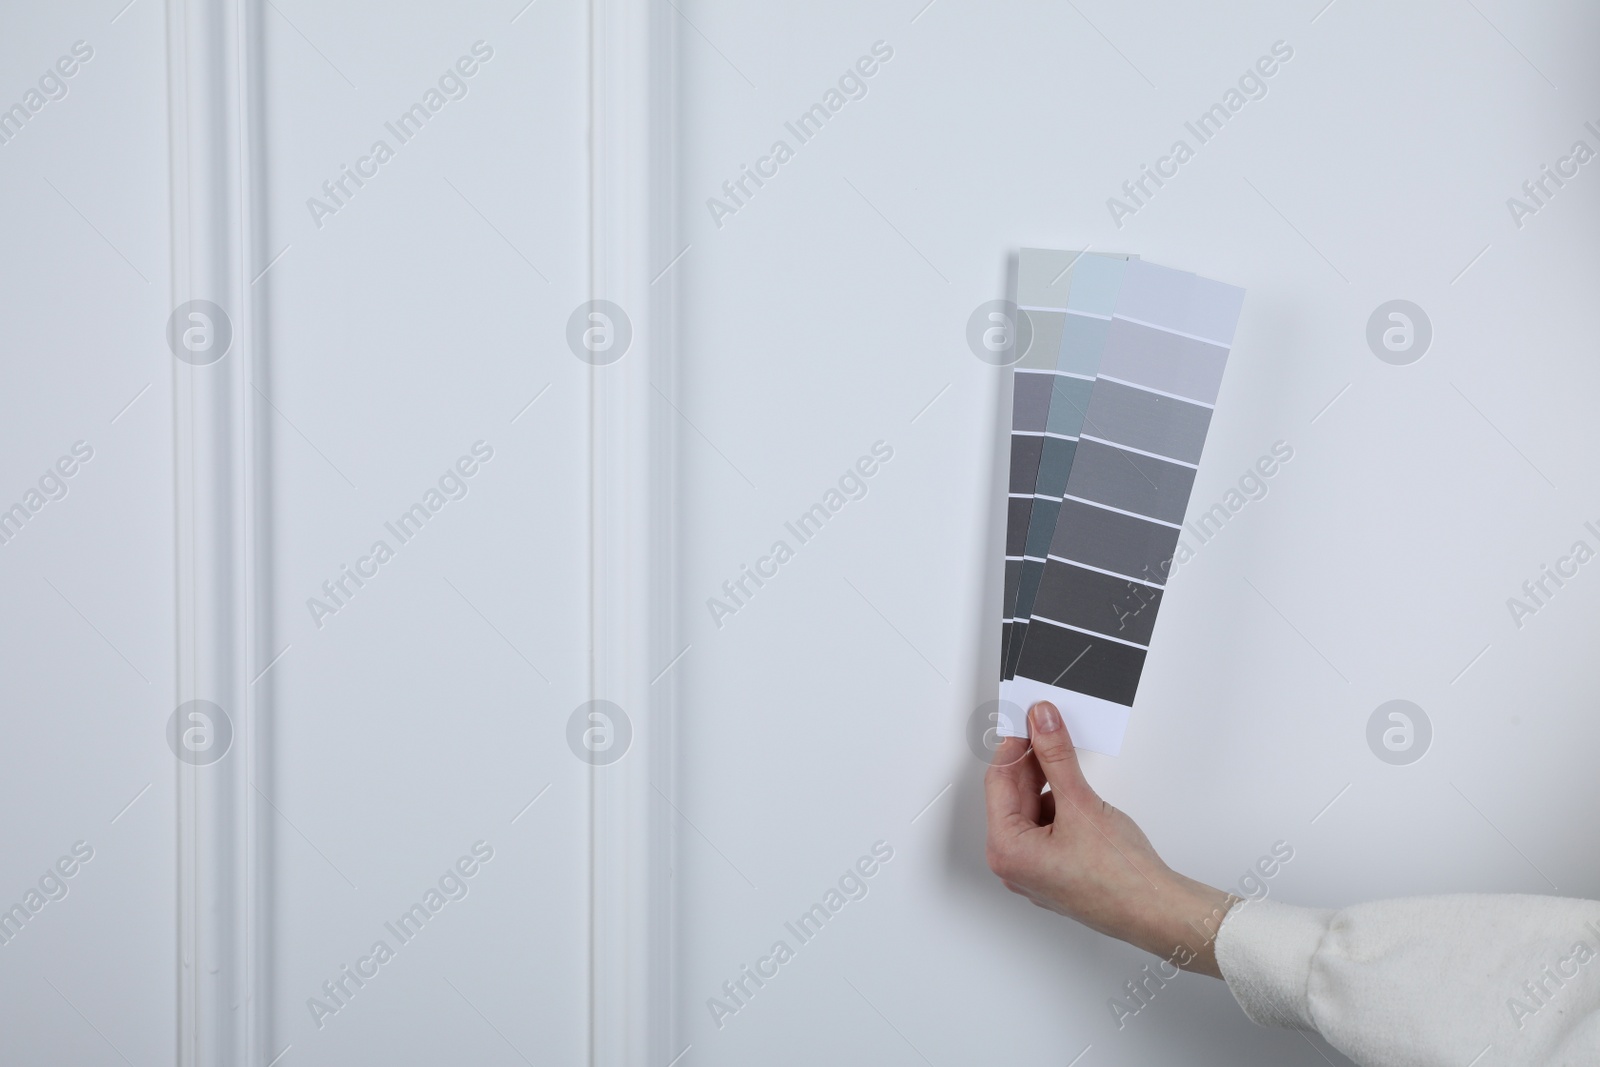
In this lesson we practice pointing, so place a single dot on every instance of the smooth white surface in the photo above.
(828, 713)
(431, 711)
(86, 632)
(831, 709)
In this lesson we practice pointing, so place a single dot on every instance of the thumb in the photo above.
(1058, 758)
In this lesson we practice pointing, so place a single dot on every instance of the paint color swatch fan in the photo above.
(1111, 405)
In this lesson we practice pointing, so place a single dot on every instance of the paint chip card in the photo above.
(1094, 281)
(1102, 576)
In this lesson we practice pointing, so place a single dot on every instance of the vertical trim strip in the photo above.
(220, 1013)
(631, 100)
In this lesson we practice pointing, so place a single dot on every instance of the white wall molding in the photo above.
(221, 1013)
(632, 94)
(223, 618)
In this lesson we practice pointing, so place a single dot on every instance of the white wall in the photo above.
(432, 708)
(87, 669)
(827, 314)
(829, 310)
(425, 714)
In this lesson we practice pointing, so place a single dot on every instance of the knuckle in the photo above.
(1053, 749)
(1001, 861)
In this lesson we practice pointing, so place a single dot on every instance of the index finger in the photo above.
(1011, 789)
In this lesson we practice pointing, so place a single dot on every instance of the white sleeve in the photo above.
(1427, 980)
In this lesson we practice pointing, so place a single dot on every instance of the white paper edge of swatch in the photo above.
(1095, 724)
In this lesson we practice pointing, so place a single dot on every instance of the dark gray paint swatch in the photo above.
(1024, 462)
(1031, 570)
(1017, 511)
(1027, 586)
(1041, 527)
(1090, 299)
(1112, 541)
(1093, 601)
(1044, 286)
(1169, 334)
(1054, 465)
(1081, 662)
(1030, 402)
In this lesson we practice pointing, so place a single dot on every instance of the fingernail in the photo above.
(1045, 718)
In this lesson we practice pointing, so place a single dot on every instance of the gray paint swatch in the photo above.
(1143, 431)
(1044, 279)
(1103, 603)
(1092, 284)
(1069, 403)
(1147, 421)
(1129, 481)
(1111, 541)
(1024, 462)
(1030, 403)
(1163, 361)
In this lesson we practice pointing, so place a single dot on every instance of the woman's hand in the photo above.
(1071, 852)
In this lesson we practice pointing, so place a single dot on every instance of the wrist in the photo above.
(1184, 930)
